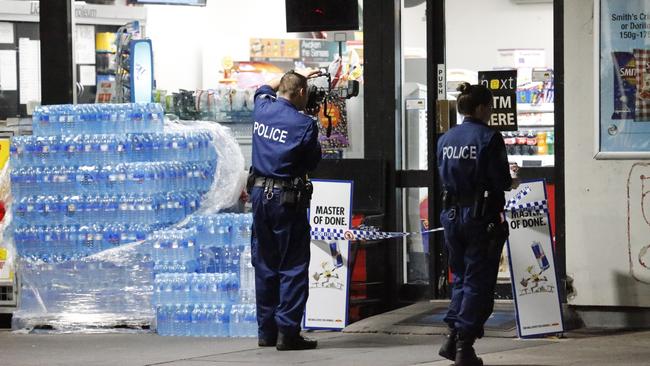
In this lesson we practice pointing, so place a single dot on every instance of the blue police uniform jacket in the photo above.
(285, 141)
(472, 158)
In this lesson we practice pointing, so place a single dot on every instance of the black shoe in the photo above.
(294, 343)
(266, 342)
(448, 349)
(465, 354)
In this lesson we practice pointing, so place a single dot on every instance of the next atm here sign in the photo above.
(503, 85)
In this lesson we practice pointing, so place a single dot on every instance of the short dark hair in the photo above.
(472, 96)
(291, 83)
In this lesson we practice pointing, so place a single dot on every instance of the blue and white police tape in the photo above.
(517, 197)
(537, 207)
(353, 234)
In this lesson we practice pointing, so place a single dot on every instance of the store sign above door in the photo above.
(503, 85)
(84, 13)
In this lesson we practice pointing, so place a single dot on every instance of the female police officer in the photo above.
(285, 148)
(474, 173)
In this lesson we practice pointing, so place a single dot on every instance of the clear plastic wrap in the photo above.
(230, 177)
(112, 290)
(100, 293)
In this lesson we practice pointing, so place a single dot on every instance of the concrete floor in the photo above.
(339, 349)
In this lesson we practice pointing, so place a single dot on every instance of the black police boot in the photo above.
(294, 343)
(266, 342)
(448, 349)
(465, 354)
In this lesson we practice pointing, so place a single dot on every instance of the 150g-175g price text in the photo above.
(635, 35)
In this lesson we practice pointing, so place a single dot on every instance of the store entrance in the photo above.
(445, 43)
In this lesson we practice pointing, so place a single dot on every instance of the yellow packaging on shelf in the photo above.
(6, 271)
(105, 42)
(4, 152)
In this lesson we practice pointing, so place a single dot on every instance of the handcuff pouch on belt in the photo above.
(298, 193)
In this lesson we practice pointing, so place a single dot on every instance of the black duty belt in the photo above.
(277, 183)
(450, 200)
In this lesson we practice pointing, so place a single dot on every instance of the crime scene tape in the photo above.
(517, 197)
(353, 234)
(538, 207)
(512, 206)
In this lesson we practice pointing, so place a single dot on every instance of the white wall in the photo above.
(598, 258)
(414, 30)
(177, 34)
(190, 42)
(232, 24)
(477, 28)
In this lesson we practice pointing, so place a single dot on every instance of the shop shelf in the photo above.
(8, 298)
(539, 108)
(523, 123)
(532, 160)
(535, 119)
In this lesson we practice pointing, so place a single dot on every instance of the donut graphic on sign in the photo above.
(349, 235)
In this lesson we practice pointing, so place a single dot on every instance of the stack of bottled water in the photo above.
(93, 177)
(121, 178)
(112, 149)
(204, 279)
(98, 118)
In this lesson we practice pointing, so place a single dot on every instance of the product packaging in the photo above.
(642, 106)
(624, 85)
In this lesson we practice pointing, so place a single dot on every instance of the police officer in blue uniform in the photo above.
(285, 148)
(474, 173)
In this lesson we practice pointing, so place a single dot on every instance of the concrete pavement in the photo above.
(339, 349)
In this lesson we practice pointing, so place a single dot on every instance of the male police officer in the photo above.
(285, 148)
(474, 172)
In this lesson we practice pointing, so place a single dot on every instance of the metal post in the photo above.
(435, 56)
(560, 214)
(379, 22)
(58, 76)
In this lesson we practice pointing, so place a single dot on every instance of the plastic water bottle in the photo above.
(187, 319)
(158, 290)
(40, 126)
(202, 314)
(175, 320)
(82, 118)
(163, 287)
(210, 329)
(162, 320)
(247, 275)
(202, 289)
(236, 321)
(250, 321)
(233, 287)
(223, 321)
(194, 328)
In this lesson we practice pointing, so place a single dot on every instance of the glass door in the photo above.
(415, 174)
(440, 48)
(506, 43)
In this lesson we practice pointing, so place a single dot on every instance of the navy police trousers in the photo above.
(280, 255)
(474, 247)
